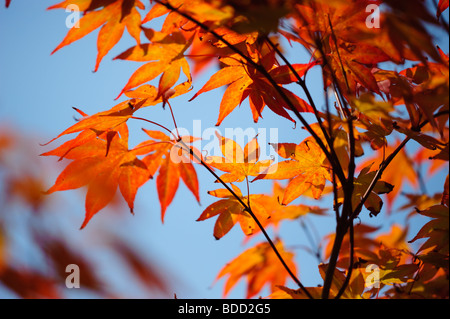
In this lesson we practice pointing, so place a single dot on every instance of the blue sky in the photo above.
(37, 93)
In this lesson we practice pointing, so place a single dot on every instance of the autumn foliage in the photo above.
(385, 88)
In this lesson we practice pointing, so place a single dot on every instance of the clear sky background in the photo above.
(37, 93)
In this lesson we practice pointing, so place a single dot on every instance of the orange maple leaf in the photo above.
(399, 169)
(206, 48)
(351, 49)
(231, 211)
(245, 81)
(172, 162)
(279, 212)
(373, 203)
(436, 230)
(260, 266)
(442, 6)
(212, 13)
(164, 55)
(237, 163)
(103, 164)
(115, 16)
(307, 167)
(92, 126)
(283, 292)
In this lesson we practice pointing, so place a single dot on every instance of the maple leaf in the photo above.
(231, 211)
(59, 254)
(172, 162)
(436, 230)
(425, 140)
(437, 159)
(114, 17)
(27, 188)
(420, 201)
(245, 81)
(400, 169)
(367, 246)
(373, 203)
(283, 292)
(164, 55)
(146, 272)
(149, 94)
(97, 124)
(352, 67)
(29, 284)
(404, 34)
(373, 110)
(364, 245)
(206, 48)
(103, 174)
(428, 92)
(389, 252)
(307, 168)
(237, 163)
(442, 6)
(391, 271)
(260, 266)
(353, 291)
(214, 14)
(108, 122)
(351, 49)
(278, 212)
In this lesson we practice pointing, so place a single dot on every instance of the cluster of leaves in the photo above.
(31, 228)
(376, 108)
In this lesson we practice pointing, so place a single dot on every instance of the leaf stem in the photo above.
(154, 123)
(173, 118)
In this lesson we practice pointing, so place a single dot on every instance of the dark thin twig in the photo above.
(316, 236)
(248, 192)
(314, 246)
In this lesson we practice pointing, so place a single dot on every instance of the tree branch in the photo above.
(342, 221)
(350, 266)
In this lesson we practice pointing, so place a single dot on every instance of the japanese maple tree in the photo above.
(385, 87)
